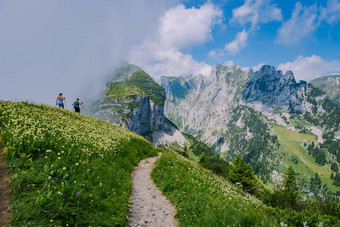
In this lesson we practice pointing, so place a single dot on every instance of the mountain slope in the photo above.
(329, 84)
(236, 111)
(68, 169)
(133, 100)
(204, 199)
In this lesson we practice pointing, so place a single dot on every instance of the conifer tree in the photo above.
(290, 187)
(315, 183)
(243, 173)
(334, 167)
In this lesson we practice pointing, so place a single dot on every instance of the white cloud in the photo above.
(256, 12)
(331, 13)
(257, 67)
(181, 27)
(238, 43)
(161, 53)
(171, 62)
(216, 54)
(304, 20)
(308, 68)
(229, 63)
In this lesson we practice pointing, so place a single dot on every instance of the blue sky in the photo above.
(47, 47)
(262, 45)
(302, 36)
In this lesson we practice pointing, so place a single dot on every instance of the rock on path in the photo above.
(148, 206)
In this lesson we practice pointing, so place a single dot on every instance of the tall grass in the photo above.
(204, 199)
(68, 169)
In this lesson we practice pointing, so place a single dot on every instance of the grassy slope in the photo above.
(137, 84)
(291, 142)
(67, 168)
(202, 198)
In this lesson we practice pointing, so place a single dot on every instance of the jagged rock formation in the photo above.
(201, 105)
(132, 99)
(236, 111)
(271, 87)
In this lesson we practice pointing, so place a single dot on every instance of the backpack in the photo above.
(76, 104)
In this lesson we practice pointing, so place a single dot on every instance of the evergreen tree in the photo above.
(203, 160)
(332, 176)
(337, 179)
(334, 167)
(315, 183)
(290, 188)
(185, 151)
(243, 173)
(289, 181)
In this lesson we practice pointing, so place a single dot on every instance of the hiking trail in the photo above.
(149, 207)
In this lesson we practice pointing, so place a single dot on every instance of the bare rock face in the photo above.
(147, 117)
(271, 87)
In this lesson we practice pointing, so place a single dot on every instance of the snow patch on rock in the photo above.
(164, 137)
(318, 132)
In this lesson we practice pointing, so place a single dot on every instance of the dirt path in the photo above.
(5, 193)
(149, 207)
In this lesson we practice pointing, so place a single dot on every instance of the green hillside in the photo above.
(204, 199)
(329, 84)
(137, 84)
(67, 169)
(295, 154)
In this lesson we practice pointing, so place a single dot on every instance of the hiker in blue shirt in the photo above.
(76, 105)
(60, 101)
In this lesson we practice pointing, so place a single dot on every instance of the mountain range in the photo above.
(266, 117)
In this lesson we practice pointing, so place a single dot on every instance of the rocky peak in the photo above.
(132, 99)
(271, 87)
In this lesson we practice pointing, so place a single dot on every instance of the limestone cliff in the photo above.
(240, 112)
(132, 99)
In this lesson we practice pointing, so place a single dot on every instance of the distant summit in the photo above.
(132, 99)
(271, 87)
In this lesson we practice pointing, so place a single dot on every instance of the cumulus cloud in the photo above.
(308, 68)
(238, 43)
(255, 13)
(304, 20)
(179, 28)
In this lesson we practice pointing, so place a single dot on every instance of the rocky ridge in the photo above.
(133, 100)
(235, 110)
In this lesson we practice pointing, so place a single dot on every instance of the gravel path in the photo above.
(149, 207)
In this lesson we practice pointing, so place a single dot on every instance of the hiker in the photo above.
(60, 101)
(76, 105)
